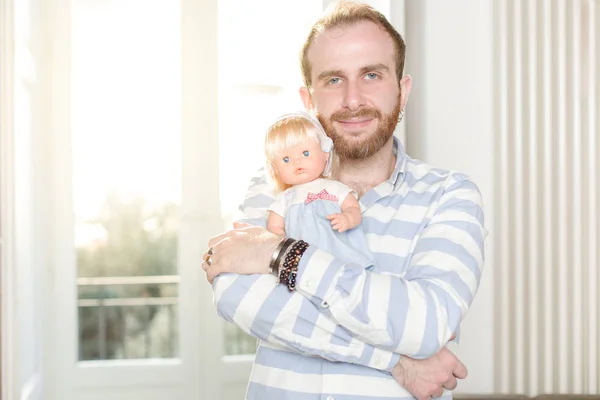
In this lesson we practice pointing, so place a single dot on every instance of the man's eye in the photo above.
(371, 75)
(334, 81)
(306, 153)
(285, 160)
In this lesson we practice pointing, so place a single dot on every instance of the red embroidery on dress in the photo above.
(323, 194)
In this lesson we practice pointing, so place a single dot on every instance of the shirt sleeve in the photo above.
(413, 315)
(342, 191)
(268, 311)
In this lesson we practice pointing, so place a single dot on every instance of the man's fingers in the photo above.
(208, 260)
(211, 274)
(216, 239)
(240, 225)
(460, 371)
(438, 393)
(451, 383)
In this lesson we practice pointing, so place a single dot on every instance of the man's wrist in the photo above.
(277, 256)
(399, 370)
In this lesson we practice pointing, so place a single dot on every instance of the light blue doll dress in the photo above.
(305, 208)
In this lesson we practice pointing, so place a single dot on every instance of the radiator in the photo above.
(548, 193)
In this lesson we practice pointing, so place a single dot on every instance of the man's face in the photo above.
(355, 88)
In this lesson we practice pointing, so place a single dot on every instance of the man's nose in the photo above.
(353, 96)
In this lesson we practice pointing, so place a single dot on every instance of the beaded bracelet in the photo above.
(289, 268)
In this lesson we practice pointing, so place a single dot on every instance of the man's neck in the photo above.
(363, 175)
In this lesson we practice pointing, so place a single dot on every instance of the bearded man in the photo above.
(346, 332)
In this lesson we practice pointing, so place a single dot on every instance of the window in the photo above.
(126, 176)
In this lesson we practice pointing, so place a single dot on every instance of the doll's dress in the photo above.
(305, 208)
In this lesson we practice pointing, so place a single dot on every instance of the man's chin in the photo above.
(356, 139)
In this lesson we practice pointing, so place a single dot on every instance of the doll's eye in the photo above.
(306, 153)
(286, 160)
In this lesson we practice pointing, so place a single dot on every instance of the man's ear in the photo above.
(405, 87)
(306, 97)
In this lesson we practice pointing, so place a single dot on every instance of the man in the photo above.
(345, 332)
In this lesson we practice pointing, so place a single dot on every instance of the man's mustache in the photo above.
(345, 115)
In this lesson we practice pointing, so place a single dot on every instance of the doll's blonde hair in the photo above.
(288, 132)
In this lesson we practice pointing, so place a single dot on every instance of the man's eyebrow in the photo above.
(374, 67)
(328, 74)
(338, 72)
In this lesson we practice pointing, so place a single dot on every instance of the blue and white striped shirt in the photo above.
(340, 333)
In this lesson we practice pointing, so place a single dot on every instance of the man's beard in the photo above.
(349, 149)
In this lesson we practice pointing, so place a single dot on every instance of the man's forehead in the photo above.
(351, 47)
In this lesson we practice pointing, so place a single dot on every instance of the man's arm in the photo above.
(417, 314)
(241, 300)
(261, 307)
(268, 311)
(254, 206)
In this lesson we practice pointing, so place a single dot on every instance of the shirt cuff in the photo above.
(316, 279)
(383, 360)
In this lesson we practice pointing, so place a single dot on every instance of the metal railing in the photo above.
(237, 342)
(165, 303)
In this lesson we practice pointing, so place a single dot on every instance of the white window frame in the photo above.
(200, 348)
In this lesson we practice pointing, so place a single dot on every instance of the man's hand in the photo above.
(244, 250)
(427, 379)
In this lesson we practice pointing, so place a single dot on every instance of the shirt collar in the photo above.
(401, 159)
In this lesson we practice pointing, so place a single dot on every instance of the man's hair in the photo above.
(345, 13)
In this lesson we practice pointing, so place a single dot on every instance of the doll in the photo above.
(310, 205)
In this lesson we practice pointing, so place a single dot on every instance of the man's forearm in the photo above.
(268, 311)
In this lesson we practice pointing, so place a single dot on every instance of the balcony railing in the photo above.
(112, 331)
(113, 335)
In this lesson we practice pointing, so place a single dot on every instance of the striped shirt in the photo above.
(340, 333)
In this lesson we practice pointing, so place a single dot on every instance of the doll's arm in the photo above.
(350, 216)
(276, 223)
(351, 208)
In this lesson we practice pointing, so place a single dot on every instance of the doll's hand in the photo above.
(340, 222)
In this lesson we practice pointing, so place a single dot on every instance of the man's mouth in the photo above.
(355, 123)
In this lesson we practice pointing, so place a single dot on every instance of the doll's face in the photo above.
(302, 163)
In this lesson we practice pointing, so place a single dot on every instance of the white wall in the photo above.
(449, 124)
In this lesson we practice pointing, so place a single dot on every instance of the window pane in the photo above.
(126, 155)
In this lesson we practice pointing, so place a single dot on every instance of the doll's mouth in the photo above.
(300, 170)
